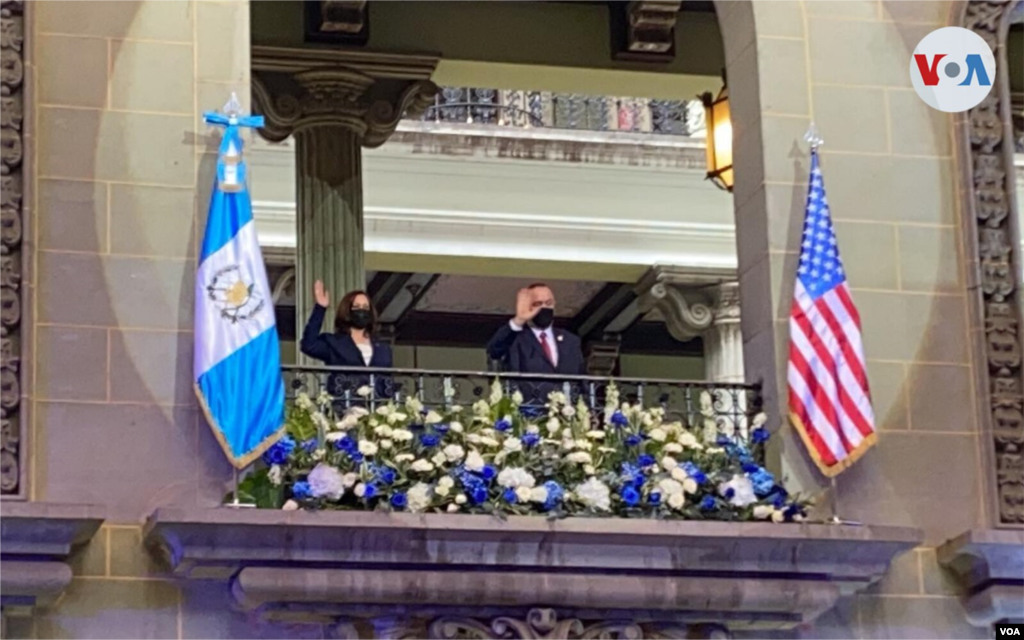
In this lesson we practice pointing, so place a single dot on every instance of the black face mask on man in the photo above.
(544, 318)
(361, 318)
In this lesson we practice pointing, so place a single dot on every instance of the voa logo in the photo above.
(952, 69)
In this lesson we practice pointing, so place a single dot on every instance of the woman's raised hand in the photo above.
(322, 297)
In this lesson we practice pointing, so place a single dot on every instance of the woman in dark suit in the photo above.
(351, 344)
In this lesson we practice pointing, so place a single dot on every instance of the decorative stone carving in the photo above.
(989, 565)
(12, 47)
(685, 318)
(988, 132)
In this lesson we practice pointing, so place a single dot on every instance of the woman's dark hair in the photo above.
(343, 315)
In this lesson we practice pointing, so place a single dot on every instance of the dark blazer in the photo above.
(340, 350)
(520, 351)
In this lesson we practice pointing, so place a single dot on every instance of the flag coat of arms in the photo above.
(237, 365)
(829, 399)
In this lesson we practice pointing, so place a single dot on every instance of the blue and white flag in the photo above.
(237, 364)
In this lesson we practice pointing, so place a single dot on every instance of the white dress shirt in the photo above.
(549, 336)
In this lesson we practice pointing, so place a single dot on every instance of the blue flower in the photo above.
(278, 453)
(750, 467)
(654, 498)
(309, 446)
(441, 428)
(503, 425)
(633, 440)
(478, 494)
(555, 494)
(509, 495)
(398, 500)
(645, 460)
(489, 472)
(371, 491)
(708, 504)
(356, 457)
(792, 510)
(730, 493)
(759, 435)
(619, 419)
(632, 474)
(387, 475)
(430, 440)
(778, 496)
(723, 441)
(301, 490)
(763, 482)
(630, 495)
(694, 472)
(530, 439)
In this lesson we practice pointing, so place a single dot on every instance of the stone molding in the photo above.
(324, 566)
(36, 540)
(365, 93)
(990, 567)
(671, 291)
(986, 147)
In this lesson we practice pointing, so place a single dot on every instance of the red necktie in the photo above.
(547, 348)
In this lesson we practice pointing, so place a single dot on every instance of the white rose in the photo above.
(422, 466)
(690, 485)
(433, 417)
(452, 508)
(763, 511)
(679, 474)
(553, 425)
(445, 481)
(669, 486)
(404, 457)
(589, 469)
(397, 417)
(677, 501)
(688, 440)
(439, 458)
(596, 434)
(290, 505)
(364, 391)
(384, 431)
(568, 444)
(673, 447)
(386, 444)
(669, 463)
(456, 427)
(579, 457)
(539, 494)
(367, 448)
(349, 479)
(584, 445)
(532, 428)
(567, 433)
(473, 438)
(454, 453)
(646, 419)
(474, 461)
(778, 516)
(334, 436)
(360, 490)
(401, 435)
(441, 490)
(523, 494)
(513, 445)
(384, 410)
(413, 405)
(460, 499)
(658, 434)
(489, 442)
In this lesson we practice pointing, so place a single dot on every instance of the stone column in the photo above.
(333, 103)
(723, 341)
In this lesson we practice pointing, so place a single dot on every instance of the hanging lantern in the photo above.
(718, 124)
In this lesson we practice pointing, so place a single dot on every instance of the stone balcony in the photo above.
(407, 575)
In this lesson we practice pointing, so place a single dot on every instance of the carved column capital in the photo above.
(367, 94)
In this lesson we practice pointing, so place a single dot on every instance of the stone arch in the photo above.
(992, 241)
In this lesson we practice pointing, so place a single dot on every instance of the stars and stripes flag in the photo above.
(829, 400)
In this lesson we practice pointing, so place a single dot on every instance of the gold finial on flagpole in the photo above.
(813, 137)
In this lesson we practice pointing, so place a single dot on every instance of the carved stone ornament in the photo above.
(538, 624)
(337, 96)
(12, 108)
(988, 133)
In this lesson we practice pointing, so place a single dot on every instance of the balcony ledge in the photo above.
(36, 539)
(990, 566)
(335, 565)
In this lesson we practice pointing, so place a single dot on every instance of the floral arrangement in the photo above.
(498, 457)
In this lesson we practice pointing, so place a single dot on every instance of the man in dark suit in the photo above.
(529, 343)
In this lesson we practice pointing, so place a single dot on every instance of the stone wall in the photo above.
(891, 178)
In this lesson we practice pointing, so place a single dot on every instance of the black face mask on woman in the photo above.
(544, 318)
(360, 318)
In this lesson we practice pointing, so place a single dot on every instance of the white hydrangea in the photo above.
(594, 494)
(743, 491)
(475, 461)
(516, 477)
(326, 481)
(274, 475)
(421, 465)
(367, 448)
(418, 497)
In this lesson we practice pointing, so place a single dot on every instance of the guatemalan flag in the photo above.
(237, 364)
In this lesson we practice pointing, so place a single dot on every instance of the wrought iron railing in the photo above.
(712, 408)
(544, 109)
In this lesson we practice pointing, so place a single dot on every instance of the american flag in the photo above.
(829, 401)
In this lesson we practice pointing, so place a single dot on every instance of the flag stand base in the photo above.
(235, 502)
